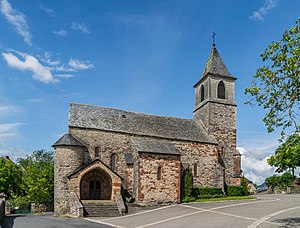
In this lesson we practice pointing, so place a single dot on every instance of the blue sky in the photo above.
(142, 56)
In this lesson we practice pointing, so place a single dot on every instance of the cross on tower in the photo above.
(213, 37)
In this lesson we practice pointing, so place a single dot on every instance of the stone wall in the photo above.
(203, 157)
(76, 208)
(41, 207)
(129, 179)
(66, 160)
(140, 179)
(223, 127)
(220, 121)
(7, 207)
(151, 189)
(108, 143)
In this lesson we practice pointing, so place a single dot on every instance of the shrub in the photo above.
(187, 199)
(201, 192)
(244, 184)
(235, 190)
(187, 183)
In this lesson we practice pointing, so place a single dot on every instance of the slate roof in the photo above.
(151, 145)
(110, 119)
(215, 65)
(68, 140)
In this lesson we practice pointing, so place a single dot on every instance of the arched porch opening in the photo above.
(96, 185)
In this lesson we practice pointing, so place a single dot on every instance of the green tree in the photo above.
(272, 182)
(286, 180)
(287, 155)
(10, 178)
(38, 177)
(276, 85)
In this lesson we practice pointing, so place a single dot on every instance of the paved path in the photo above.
(47, 221)
(268, 211)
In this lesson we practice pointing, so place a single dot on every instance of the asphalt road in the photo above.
(267, 211)
(46, 221)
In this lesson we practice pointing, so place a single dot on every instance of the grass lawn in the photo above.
(226, 198)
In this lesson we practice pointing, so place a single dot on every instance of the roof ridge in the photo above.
(123, 110)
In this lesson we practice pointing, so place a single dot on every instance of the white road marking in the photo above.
(222, 213)
(218, 212)
(104, 223)
(200, 210)
(263, 219)
(169, 219)
(139, 213)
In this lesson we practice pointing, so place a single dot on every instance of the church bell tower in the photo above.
(216, 109)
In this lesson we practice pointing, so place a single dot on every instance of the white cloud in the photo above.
(30, 63)
(77, 64)
(80, 27)
(47, 59)
(8, 109)
(61, 32)
(263, 10)
(9, 130)
(37, 100)
(12, 151)
(255, 166)
(17, 19)
(44, 68)
(65, 75)
(47, 10)
(63, 68)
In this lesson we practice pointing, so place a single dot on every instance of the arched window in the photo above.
(221, 90)
(195, 169)
(113, 159)
(97, 152)
(159, 173)
(202, 93)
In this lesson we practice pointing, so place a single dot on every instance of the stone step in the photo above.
(98, 209)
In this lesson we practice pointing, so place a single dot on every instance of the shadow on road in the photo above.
(9, 220)
(288, 222)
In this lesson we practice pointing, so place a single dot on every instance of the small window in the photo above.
(222, 150)
(159, 173)
(221, 90)
(195, 169)
(202, 93)
(97, 152)
(113, 159)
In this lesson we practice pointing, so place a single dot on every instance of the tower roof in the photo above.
(68, 140)
(215, 65)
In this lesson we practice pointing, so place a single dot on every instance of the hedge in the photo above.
(210, 196)
(235, 191)
(207, 192)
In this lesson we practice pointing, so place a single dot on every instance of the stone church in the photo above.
(111, 156)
